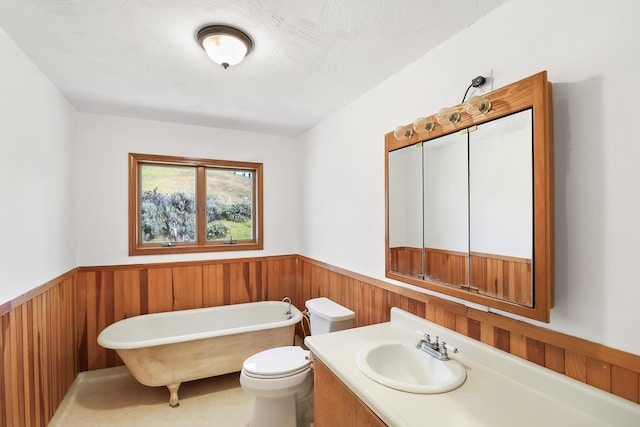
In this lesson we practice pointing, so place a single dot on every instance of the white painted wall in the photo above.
(102, 178)
(591, 53)
(37, 193)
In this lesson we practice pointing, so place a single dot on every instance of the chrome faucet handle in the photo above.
(425, 336)
(443, 350)
(445, 347)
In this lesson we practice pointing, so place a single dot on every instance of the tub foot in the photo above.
(173, 399)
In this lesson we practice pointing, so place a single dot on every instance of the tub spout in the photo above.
(173, 399)
(288, 312)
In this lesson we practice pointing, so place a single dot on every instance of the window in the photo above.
(179, 205)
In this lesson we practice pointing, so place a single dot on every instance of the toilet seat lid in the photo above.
(277, 362)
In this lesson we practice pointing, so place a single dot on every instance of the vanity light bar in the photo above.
(475, 106)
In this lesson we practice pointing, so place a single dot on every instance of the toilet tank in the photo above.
(328, 316)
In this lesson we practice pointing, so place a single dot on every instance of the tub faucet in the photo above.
(437, 349)
(288, 312)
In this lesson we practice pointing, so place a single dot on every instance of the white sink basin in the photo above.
(404, 367)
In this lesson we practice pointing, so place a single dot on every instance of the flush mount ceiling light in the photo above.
(225, 45)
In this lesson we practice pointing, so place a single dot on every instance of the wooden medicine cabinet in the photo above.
(469, 200)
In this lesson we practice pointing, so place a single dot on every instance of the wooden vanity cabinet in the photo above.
(336, 405)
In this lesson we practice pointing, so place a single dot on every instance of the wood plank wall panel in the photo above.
(576, 365)
(518, 344)
(502, 339)
(554, 358)
(623, 383)
(38, 349)
(281, 280)
(213, 294)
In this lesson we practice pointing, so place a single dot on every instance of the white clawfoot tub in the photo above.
(167, 349)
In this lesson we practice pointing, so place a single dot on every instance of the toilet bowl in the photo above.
(282, 382)
(281, 378)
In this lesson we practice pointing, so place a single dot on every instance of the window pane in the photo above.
(229, 205)
(168, 204)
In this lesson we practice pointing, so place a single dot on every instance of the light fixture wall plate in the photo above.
(225, 45)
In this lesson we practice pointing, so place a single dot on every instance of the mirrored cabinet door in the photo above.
(446, 210)
(501, 208)
(405, 211)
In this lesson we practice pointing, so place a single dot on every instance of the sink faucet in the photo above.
(437, 349)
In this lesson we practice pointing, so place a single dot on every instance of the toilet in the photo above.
(281, 378)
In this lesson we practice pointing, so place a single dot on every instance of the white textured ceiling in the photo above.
(140, 58)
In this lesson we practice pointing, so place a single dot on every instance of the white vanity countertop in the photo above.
(500, 389)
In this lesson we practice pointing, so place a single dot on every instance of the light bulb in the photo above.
(225, 49)
(478, 105)
(403, 132)
(422, 124)
(447, 115)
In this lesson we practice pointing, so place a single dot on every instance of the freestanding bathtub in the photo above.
(167, 349)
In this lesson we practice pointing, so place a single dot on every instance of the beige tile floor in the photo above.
(112, 397)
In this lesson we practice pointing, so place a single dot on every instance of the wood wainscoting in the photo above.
(49, 334)
(38, 349)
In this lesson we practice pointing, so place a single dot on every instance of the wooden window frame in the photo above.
(136, 247)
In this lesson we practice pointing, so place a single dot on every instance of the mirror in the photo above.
(470, 204)
(446, 210)
(501, 208)
(405, 211)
